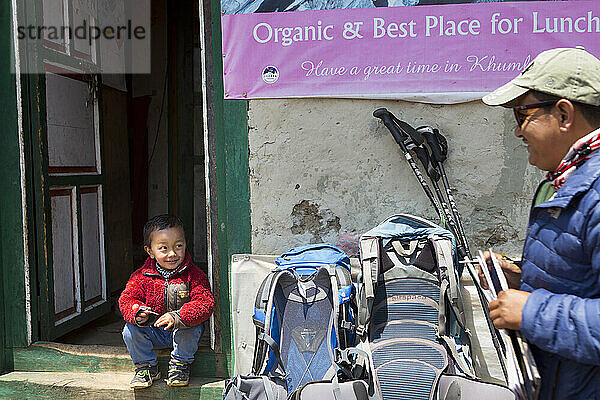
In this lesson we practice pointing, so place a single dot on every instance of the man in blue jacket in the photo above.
(556, 103)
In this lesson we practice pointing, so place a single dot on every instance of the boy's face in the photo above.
(167, 247)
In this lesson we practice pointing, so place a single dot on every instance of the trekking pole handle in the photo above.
(401, 131)
(437, 149)
(423, 156)
(417, 141)
(441, 141)
(415, 136)
(386, 117)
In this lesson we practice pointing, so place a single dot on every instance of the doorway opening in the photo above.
(114, 151)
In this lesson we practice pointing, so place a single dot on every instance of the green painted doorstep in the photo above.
(55, 357)
(81, 385)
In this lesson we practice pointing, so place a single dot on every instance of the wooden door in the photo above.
(68, 172)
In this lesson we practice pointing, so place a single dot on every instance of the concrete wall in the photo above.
(326, 170)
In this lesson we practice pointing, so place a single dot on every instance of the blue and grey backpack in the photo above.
(304, 312)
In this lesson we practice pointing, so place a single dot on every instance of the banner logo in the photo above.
(270, 74)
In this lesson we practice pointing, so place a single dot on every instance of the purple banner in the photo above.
(397, 52)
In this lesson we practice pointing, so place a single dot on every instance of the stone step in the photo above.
(97, 386)
(59, 357)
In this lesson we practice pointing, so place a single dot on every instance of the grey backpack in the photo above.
(255, 388)
(411, 316)
(324, 390)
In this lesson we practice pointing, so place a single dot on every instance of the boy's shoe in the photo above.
(144, 376)
(179, 373)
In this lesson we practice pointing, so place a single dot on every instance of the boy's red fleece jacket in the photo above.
(146, 287)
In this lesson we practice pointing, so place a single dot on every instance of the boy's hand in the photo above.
(142, 313)
(165, 320)
(511, 271)
(142, 317)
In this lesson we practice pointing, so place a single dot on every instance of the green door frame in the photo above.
(14, 324)
(230, 228)
(2, 331)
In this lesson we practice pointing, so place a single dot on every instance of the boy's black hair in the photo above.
(160, 222)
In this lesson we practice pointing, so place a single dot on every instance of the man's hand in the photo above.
(507, 310)
(165, 320)
(511, 271)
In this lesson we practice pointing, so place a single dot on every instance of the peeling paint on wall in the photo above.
(308, 218)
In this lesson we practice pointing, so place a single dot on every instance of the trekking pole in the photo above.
(439, 152)
(385, 116)
(417, 146)
(415, 143)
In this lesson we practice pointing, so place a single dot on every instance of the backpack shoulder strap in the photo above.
(331, 269)
(259, 318)
(343, 276)
(262, 298)
(445, 260)
(369, 253)
(345, 297)
(264, 341)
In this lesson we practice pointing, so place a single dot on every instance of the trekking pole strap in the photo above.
(434, 141)
(423, 156)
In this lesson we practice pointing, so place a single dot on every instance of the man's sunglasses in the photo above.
(520, 118)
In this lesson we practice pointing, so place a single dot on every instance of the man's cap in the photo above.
(568, 73)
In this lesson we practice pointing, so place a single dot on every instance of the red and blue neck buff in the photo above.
(580, 152)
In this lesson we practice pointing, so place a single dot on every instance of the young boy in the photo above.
(165, 304)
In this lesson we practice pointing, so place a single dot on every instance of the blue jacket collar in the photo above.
(579, 182)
